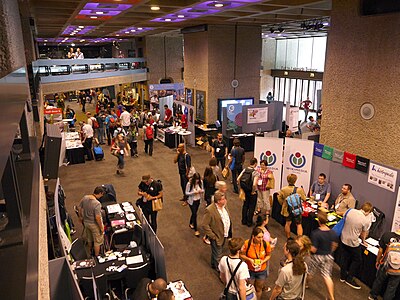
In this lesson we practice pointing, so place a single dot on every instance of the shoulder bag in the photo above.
(157, 204)
(338, 228)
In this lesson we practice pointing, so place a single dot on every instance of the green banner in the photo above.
(327, 152)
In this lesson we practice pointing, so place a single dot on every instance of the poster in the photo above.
(297, 159)
(189, 96)
(292, 118)
(234, 118)
(382, 176)
(270, 149)
(158, 91)
(257, 115)
(200, 105)
(396, 216)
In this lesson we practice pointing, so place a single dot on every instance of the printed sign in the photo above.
(53, 111)
(396, 216)
(362, 164)
(318, 149)
(382, 176)
(337, 156)
(327, 152)
(292, 118)
(257, 115)
(349, 160)
(270, 149)
(297, 159)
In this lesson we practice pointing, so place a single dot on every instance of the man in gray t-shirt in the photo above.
(356, 225)
(90, 216)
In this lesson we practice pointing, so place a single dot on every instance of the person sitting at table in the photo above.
(321, 190)
(345, 200)
(150, 190)
(148, 289)
(89, 210)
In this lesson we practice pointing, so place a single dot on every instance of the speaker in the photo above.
(52, 148)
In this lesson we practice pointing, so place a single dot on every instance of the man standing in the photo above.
(345, 200)
(321, 190)
(356, 225)
(382, 276)
(87, 140)
(148, 137)
(125, 119)
(90, 216)
(247, 182)
(238, 158)
(184, 162)
(168, 116)
(217, 226)
(283, 194)
(306, 106)
(219, 150)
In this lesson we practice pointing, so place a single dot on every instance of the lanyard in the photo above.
(255, 251)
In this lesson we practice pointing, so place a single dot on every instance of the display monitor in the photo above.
(225, 102)
(234, 113)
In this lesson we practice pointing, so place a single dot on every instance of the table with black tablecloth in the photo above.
(75, 155)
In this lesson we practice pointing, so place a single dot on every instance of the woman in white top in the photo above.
(194, 191)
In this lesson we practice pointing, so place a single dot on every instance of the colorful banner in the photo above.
(297, 160)
(349, 160)
(257, 115)
(318, 149)
(327, 152)
(270, 149)
(337, 156)
(382, 176)
(396, 216)
(362, 164)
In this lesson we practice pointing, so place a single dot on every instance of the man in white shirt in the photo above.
(227, 267)
(79, 54)
(87, 140)
(125, 119)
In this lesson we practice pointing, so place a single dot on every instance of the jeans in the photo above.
(88, 148)
(350, 261)
(101, 135)
(379, 283)
(121, 162)
(235, 173)
(216, 253)
(249, 206)
(133, 145)
(148, 146)
(151, 217)
(194, 208)
(109, 133)
(221, 161)
(184, 182)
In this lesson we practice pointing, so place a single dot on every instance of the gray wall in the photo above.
(275, 113)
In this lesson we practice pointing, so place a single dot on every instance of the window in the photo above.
(292, 48)
(305, 52)
(292, 95)
(280, 57)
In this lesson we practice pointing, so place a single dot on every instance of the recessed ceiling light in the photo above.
(181, 16)
(44, 44)
(117, 34)
(73, 45)
(218, 4)
(78, 29)
(167, 20)
(126, 31)
(140, 28)
(99, 12)
(82, 41)
(45, 40)
(93, 17)
(81, 26)
(155, 8)
(133, 30)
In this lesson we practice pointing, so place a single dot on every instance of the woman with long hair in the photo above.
(120, 148)
(263, 189)
(292, 276)
(209, 181)
(256, 253)
(194, 191)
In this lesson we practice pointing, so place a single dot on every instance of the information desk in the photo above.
(246, 142)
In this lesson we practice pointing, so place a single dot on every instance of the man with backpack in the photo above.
(248, 184)
(291, 197)
(388, 265)
(148, 138)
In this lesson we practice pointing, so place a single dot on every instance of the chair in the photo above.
(134, 275)
(78, 250)
(86, 285)
(121, 238)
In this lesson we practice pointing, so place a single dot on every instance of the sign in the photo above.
(396, 216)
(53, 111)
(257, 115)
(318, 149)
(382, 176)
(292, 118)
(362, 164)
(349, 160)
(297, 160)
(327, 152)
(337, 156)
(270, 149)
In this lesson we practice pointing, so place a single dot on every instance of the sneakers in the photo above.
(206, 240)
(191, 226)
(353, 284)
(197, 233)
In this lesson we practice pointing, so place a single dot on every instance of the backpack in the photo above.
(95, 124)
(246, 182)
(391, 259)
(295, 206)
(149, 132)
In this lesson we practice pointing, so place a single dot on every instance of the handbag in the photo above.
(338, 228)
(225, 172)
(226, 289)
(157, 204)
(242, 195)
(271, 183)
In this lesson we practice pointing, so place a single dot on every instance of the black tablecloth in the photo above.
(171, 140)
(246, 142)
(75, 155)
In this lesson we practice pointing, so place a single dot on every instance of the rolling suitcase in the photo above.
(98, 152)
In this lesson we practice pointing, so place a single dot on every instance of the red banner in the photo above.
(53, 111)
(349, 160)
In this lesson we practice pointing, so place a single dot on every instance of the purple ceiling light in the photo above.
(77, 30)
(102, 10)
(133, 30)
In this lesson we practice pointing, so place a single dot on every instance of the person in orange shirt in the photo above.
(256, 253)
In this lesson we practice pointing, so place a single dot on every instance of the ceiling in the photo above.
(100, 21)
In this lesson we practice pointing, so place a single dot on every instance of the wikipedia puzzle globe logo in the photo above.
(269, 157)
(297, 160)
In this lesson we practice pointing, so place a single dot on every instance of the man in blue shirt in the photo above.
(321, 190)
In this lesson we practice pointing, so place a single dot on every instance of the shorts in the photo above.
(263, 200)
(93, 234)
(322, 262)
(258, 275)
(296, 220)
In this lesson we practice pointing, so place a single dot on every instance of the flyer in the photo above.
(382, 176)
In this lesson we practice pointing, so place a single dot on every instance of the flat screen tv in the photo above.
(225, 102)
(234, 112)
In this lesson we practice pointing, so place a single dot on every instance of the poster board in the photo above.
(201, 105)
(272, 122)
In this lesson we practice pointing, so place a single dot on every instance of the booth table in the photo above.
(75, 155)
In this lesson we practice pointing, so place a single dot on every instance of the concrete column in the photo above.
(268, 63)
(215, 57)
(362, 65)
(164, 58)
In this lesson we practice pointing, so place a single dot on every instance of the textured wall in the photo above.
(160, 63)
(211, 63)
(268, 63)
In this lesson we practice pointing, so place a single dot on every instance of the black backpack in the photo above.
(246, 181)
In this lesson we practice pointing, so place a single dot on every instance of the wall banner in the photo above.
(349, 160)
(382, 176)
(297, 160)
(257, 115)
(270, 149)
(327, 153)
(318, 149)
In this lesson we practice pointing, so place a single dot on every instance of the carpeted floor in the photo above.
(187, 257)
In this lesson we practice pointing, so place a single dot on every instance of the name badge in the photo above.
(337, 206)
(218, 149)
(259, 182)
(317, 196)
(151, 188)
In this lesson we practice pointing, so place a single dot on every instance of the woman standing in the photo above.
(209, 181)
(262, 178)
(194, 191)
(256, 253)
(120, 148)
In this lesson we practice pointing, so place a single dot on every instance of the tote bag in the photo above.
(338, 228)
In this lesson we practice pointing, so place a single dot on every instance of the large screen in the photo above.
(225, 102)
(234, 112)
